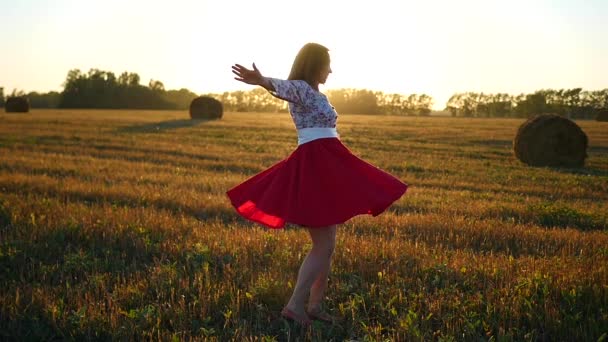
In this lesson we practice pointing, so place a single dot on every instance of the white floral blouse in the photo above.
(308, 107)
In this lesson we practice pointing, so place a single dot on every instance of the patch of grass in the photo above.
(552, 215)
(113, 229)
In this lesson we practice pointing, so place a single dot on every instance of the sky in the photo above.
(436, 47)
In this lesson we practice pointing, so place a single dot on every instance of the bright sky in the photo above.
(437, 47)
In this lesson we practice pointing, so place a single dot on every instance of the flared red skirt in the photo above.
(321, 183)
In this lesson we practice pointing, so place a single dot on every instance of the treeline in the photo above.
(103, 89)
(574, 103)
(255, 100)
(363, 101)
(36, 100)
(351, 101)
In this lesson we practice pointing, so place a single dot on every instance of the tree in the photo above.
(424, 105)
(44, 100)
(574, 103)
(453, 105)
(101, 89)
(532, 104)
(354, 101)
(179, 99)
(156, 86)
(463, 104)
(17, 93)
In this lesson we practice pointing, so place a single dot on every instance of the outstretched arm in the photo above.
(292, 91)
(251, 76)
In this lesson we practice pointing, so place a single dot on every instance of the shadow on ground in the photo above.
(162, 126)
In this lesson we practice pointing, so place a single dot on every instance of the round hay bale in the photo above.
(602, 115)
(17, 104)
(550, 140)
(205, 107)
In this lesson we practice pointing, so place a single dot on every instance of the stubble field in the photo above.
(115, 225)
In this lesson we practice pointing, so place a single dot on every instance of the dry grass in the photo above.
(115, 225)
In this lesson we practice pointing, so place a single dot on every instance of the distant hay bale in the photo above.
(551, 140)
(16, 104)
(205, 107)
(602, 115)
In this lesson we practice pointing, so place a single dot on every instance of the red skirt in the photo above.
(321, 183)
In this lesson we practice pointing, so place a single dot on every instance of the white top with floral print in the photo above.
(308, 107)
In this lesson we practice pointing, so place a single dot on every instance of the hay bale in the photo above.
(550, 140)
(602, 115)
(205, 107)
(17, 104)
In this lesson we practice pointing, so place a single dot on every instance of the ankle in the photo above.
(314, 308)
(294, 307)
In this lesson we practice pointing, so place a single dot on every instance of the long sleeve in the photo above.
(308, 107)
(295, 91)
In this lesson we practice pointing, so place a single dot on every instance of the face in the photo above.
(325, 71)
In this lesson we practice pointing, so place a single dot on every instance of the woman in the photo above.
(320, 185)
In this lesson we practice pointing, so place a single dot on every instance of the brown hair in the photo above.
(309, 61)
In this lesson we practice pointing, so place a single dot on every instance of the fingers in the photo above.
(238, 68)
(242, 74)
(245, 75)
(241, 68)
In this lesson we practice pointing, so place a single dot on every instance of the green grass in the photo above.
(115, 225)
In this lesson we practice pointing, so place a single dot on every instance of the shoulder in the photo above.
(306, 92)
(309, 90)
(301, 84)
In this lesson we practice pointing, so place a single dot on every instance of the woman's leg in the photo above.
(315, 266)
(317, 290)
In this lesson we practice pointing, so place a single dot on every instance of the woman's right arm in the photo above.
(251, 76)
(266, 84)
(292, 91)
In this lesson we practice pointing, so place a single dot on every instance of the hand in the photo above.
(248, 76)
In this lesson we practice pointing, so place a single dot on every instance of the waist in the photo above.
(309, 134)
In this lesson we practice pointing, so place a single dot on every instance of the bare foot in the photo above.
(298, 316)
(318, 314)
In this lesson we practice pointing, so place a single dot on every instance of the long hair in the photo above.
(308, 63)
